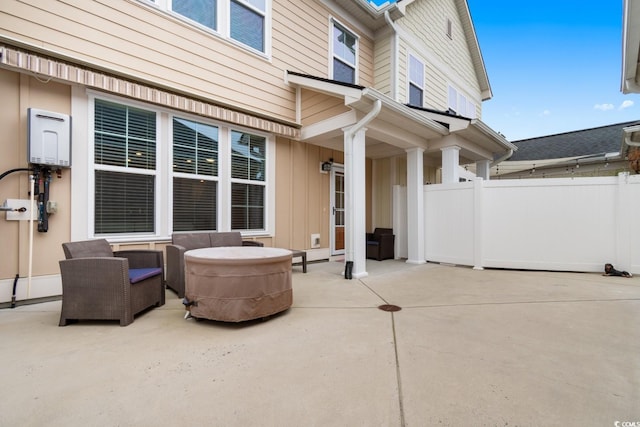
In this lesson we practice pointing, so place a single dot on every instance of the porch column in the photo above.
(355, 202)
(415, 206)
(483, 169)
(450, 164)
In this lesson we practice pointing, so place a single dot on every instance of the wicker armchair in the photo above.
(100, 284)
(380, 244)
(182, 242)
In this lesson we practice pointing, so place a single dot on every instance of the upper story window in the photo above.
(245, 21)
(460, 105)
(202, 11)
(344, 47)
(416, 81)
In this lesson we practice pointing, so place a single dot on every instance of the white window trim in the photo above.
(410, 81)
(468, 110)
(332, 22)
(83, 171)
(223, 22)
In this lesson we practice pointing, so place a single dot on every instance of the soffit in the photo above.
(395, 129)
(366, 13)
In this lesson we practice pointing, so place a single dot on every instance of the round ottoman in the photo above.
(237, 283)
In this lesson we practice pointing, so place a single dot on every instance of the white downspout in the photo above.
(502, 159)
(629, 142)
(394, 56)
(349, 178)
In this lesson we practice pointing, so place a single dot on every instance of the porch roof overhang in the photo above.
(630, 138)
(630, 47)
(397, 127)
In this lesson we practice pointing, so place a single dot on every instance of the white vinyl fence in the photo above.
(562, 224)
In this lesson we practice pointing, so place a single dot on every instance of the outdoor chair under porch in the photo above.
(99, 284)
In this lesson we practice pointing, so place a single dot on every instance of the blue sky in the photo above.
(554, 66)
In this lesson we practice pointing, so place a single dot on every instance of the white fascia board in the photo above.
(402, 109)
(329, 88)
(329, 125)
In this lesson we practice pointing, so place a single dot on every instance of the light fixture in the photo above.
(326, 166)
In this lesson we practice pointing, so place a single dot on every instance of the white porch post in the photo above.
(450, 164)
(415, 206)
(355, 202)
(483, 169)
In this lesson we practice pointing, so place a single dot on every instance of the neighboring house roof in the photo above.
(587, 142)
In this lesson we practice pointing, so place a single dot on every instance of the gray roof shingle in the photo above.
(603, 139)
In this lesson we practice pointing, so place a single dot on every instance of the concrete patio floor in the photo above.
(468, 348)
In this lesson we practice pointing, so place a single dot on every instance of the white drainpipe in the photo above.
(629, 142)
(377, 106)
(502, 159)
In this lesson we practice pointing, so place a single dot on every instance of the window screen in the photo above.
(200, 11)
(247, 24)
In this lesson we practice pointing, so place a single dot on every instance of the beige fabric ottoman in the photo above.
(238, 283)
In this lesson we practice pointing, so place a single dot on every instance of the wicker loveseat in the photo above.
(99, 284)
(182, 242)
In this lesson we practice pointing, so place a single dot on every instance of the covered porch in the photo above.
(364, 123)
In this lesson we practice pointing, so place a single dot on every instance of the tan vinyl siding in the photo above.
(301, 37)
(454, 52)
(302, 197)
(317, 107)
(134, 39)
(383, 73)
(403, 73)
(20, 92)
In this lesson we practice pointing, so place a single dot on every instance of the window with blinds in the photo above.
(150, 182)
(195, 166)
(203, 12)
(344, 48)
(245, 21)
(248, 23)
(125, 163)
(247, 164)
(247, 207)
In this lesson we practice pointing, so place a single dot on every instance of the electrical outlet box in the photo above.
(315, 241)
(15, 214)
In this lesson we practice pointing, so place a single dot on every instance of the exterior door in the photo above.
(337, 210)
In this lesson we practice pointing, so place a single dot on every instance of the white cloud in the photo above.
(604, 107)
(545, 113)
(625, 104)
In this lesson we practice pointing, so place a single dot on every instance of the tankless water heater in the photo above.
(49, 138)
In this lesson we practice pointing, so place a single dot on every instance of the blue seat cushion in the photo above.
(139, 274)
